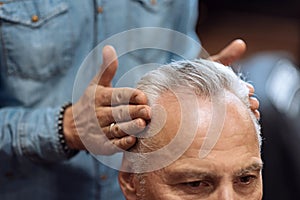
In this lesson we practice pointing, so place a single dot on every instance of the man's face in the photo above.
(232, 169)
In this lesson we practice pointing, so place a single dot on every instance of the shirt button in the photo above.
(103, 177)
(34, 18)
(100, 9)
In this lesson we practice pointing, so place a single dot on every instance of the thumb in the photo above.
(109, 66)
(230, 53)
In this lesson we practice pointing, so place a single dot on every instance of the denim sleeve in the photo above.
(31, 133)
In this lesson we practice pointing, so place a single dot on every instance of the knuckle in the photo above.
(135, 110)
(118, 113)
(102, 95)
(124, 113)
(118, 144)
(108, 134)
(117, 96)
(116, 131)
(123, 143)
(99, 114)
(140, 111)
(103, 118)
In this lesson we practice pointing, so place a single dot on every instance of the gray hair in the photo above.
(205, 78)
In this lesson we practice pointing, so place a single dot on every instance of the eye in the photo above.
(247, 184)
(247, 179)
(196, 184)
(198, 187)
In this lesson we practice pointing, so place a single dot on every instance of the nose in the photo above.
(226, 192)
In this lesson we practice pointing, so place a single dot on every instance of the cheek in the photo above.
(152, 188)
(156, 190)
(167, 194)
(257, 192)
(257, 195)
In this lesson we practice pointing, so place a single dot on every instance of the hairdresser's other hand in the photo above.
(104, 116)
(230, 54)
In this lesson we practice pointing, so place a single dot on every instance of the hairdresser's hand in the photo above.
(103, 116)
(230, 54)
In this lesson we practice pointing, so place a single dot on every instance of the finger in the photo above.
(230, 53)
(108, 115)
(108, 68)
(110, 65)
(118, 96)
(117, 145)
(251, 89)
(125, 142)
(254, 103)
(126, 128)
(257, 114)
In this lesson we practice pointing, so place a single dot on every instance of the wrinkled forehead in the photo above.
(173, 114)
(190, 115)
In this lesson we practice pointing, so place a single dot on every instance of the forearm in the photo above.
(31, 133)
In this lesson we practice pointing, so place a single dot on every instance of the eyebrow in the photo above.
(254, 167)
(180, 175)
(185, 174)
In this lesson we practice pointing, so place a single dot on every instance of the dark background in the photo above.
(265, 25)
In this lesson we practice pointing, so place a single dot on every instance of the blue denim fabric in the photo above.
(39, 59)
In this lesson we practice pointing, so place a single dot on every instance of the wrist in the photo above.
(60, 131)
(70, 133)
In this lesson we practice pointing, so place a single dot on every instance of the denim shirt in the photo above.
(43, 43)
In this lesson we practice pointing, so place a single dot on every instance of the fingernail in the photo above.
(138, 99)
(143, 111)
(129, 140)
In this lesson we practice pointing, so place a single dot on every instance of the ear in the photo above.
(126, 181)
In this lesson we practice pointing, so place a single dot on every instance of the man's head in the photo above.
(205, 102)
